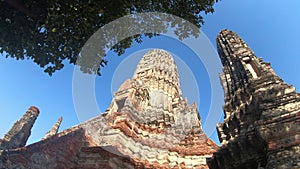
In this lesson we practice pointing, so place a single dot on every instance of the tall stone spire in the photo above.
(240, 65)
(262, 113)
(21, 130)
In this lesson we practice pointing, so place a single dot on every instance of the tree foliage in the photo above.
(51, 31)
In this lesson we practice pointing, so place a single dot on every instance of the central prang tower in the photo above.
(154, 92)
(151, 106)
(157, 71)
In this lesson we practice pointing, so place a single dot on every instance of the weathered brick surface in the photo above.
(59, 151)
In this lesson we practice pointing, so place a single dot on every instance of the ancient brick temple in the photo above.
(150, 125)
(147, 125)
(261, 127)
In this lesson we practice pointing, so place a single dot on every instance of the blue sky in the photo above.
(270, 28)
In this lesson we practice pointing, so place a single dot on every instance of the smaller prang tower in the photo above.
(261, 127)
(21, 130)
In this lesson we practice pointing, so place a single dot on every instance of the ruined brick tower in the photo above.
(261, 127)
(147, 125)
(21, 130)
